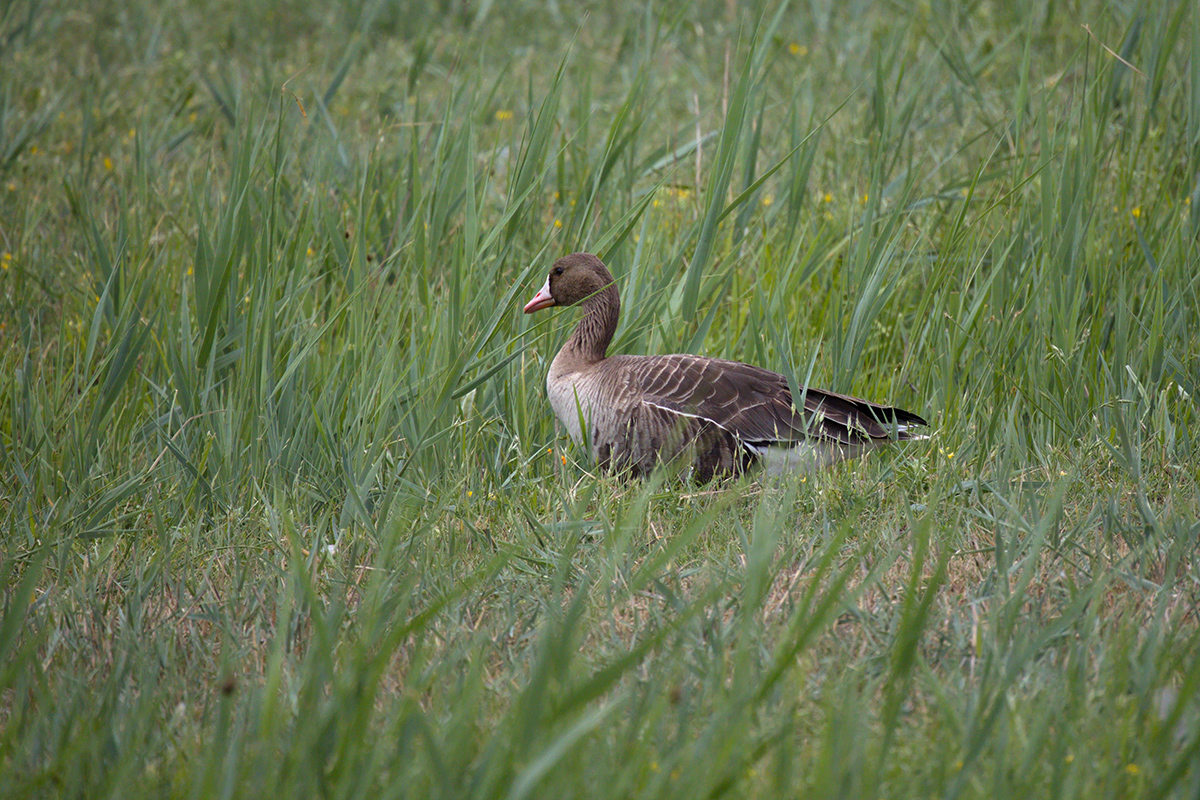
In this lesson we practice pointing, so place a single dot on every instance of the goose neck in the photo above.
(595, 331)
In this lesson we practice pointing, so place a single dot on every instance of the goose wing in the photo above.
(755, 404)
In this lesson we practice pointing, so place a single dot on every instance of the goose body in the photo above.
(637, 411)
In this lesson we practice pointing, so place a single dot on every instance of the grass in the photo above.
(284, 508)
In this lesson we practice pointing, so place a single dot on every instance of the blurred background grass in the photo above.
(284, 508)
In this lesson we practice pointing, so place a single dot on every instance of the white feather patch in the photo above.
(808, 456)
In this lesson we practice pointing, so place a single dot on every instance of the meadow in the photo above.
(284, 510)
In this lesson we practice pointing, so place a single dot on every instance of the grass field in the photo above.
(284, 509)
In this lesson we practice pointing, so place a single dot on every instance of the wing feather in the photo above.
(752, 403)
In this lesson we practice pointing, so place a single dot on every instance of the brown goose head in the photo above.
(573, 278)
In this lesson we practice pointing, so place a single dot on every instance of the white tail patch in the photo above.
(916, 437)
(807, 456)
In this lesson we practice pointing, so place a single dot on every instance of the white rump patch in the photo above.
(916, 437)
(808, 456)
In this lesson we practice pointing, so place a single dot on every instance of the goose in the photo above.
(725, 416)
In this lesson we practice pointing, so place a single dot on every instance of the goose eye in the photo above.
(558, 270)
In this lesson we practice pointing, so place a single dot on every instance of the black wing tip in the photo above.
(902, 417)
(902, 422)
